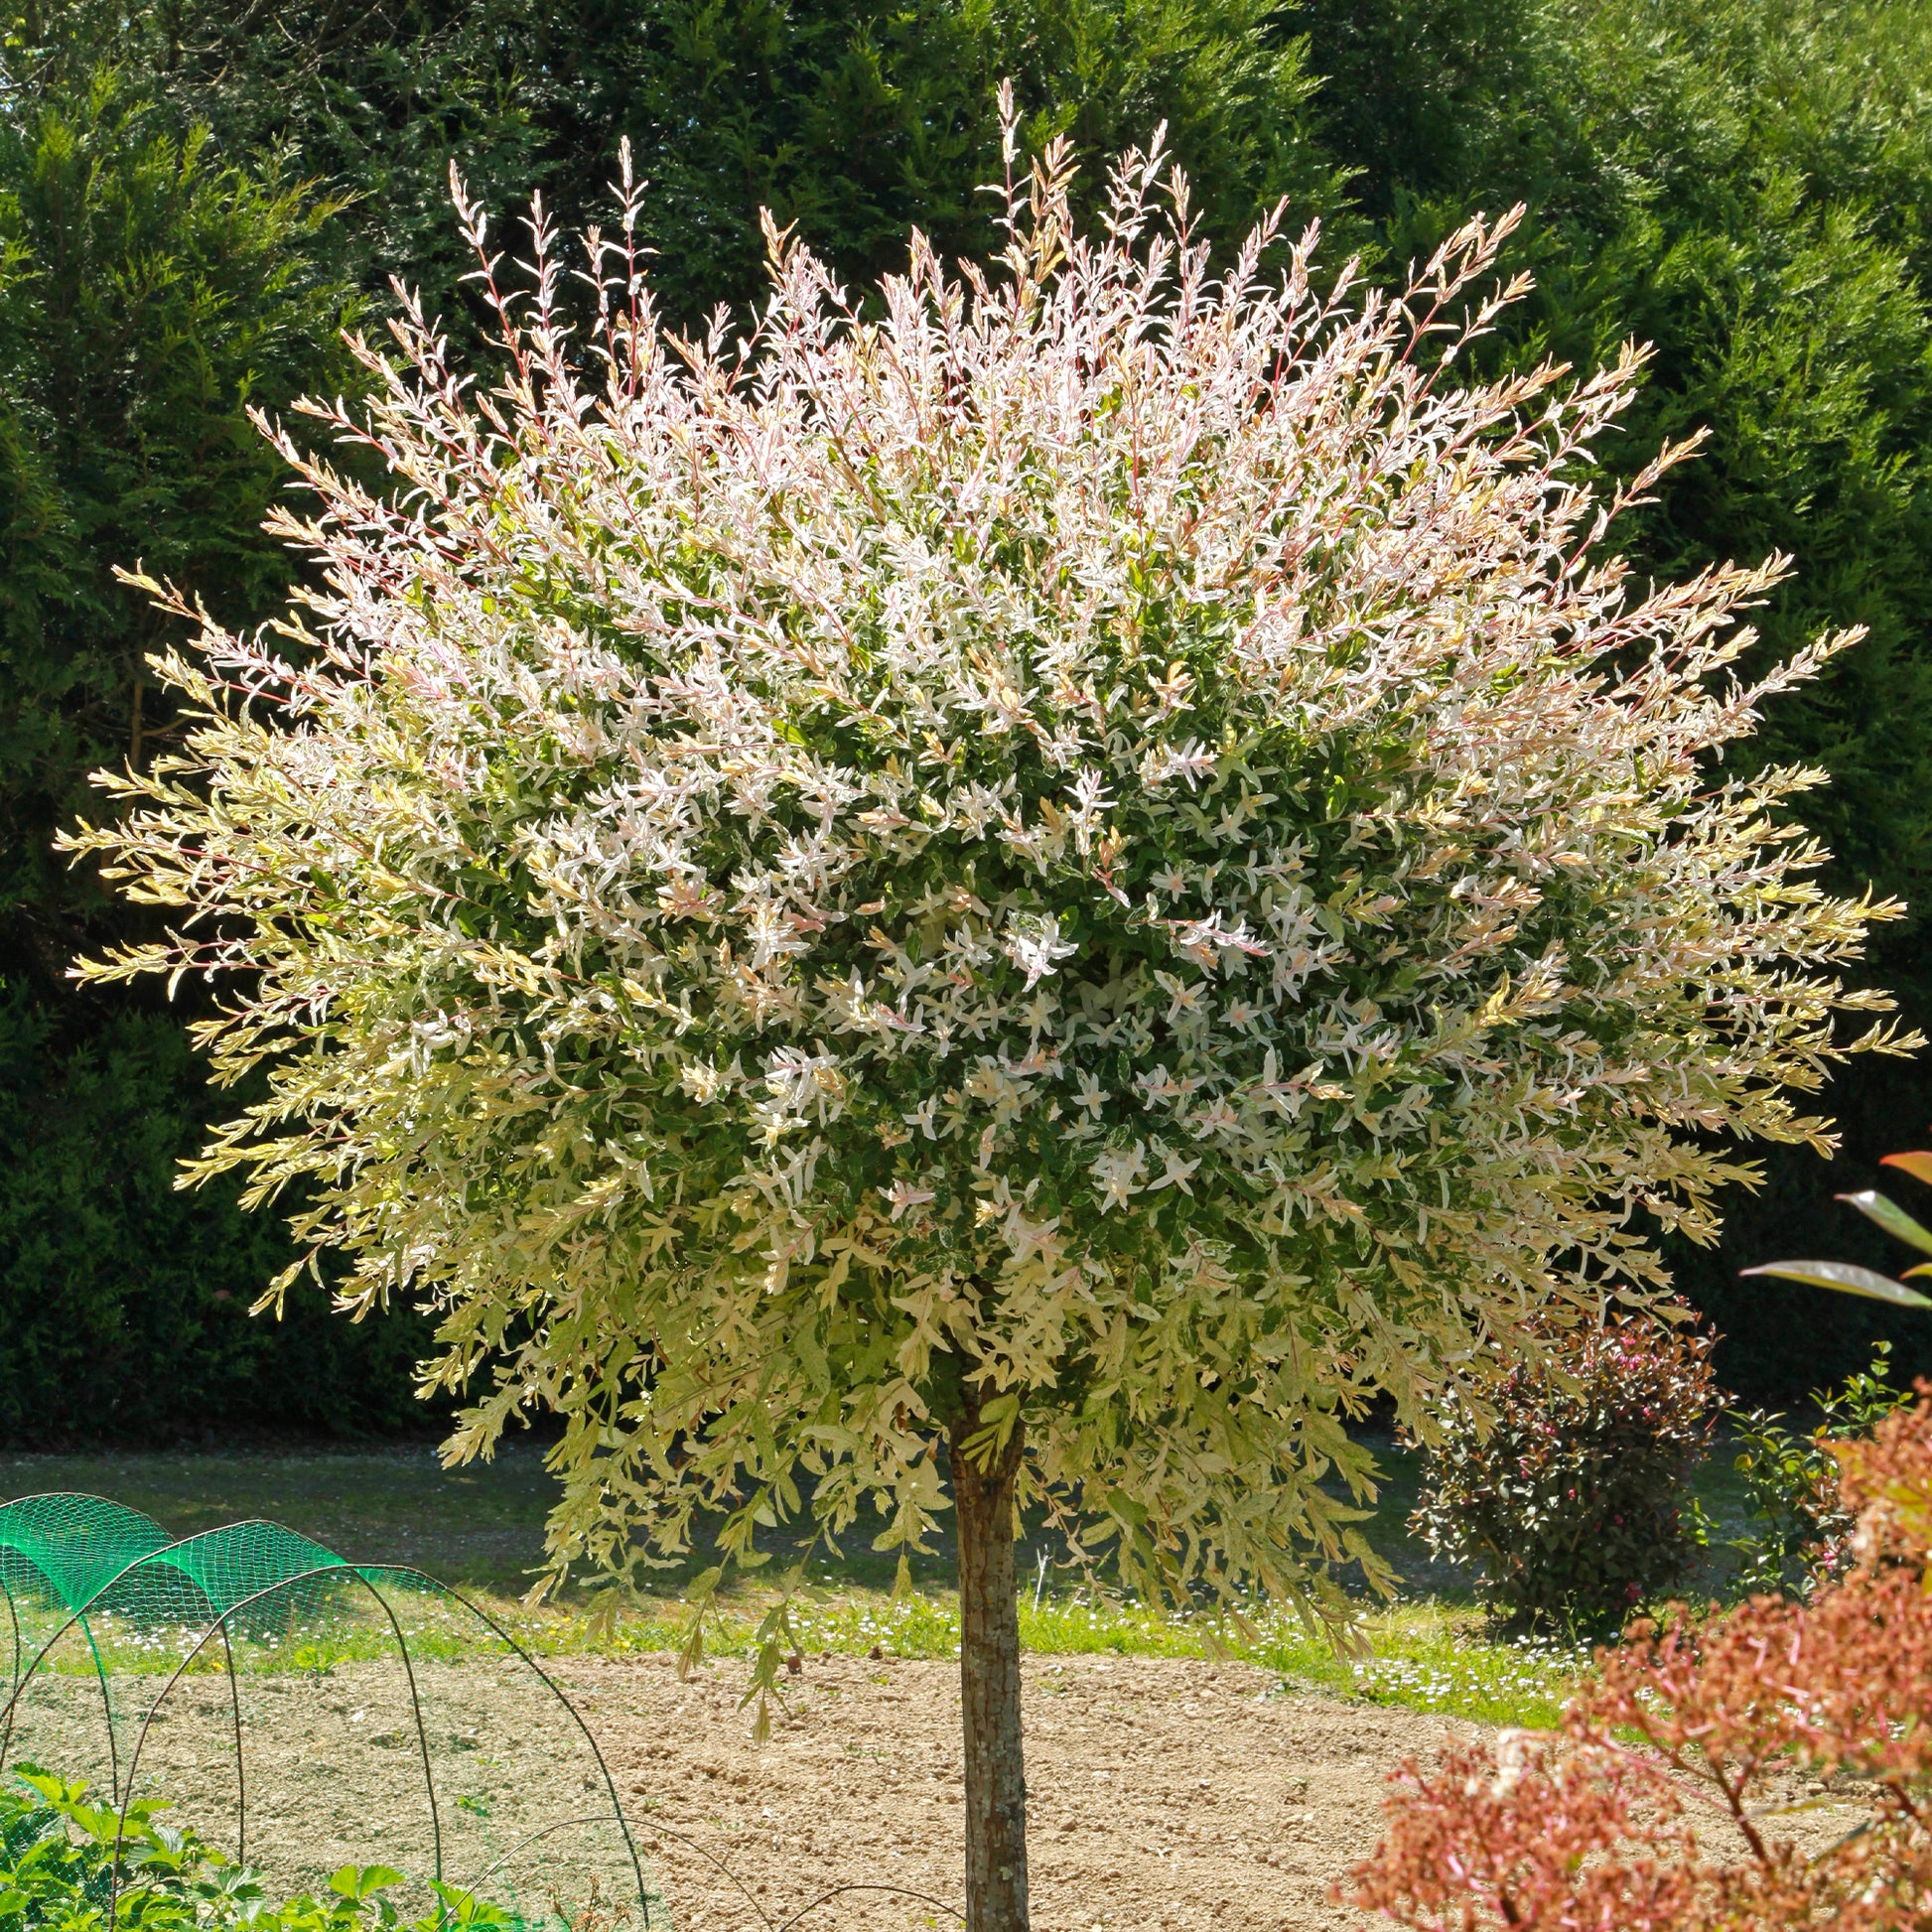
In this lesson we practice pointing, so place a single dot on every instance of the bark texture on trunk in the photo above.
(989, 1678)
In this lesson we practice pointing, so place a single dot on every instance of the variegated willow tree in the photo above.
(1019, 892)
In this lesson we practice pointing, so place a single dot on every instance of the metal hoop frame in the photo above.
(339, 1568)
(78, 1615)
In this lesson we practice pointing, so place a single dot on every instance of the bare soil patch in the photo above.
(1164, 1793)
(338, 1771)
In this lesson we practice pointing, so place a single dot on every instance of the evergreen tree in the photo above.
(149, 293)
(1746, 184)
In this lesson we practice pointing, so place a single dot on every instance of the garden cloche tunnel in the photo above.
(303, 1711)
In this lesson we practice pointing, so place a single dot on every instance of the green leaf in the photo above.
(1848, 1278)
(360, 1881)
(463, 1908)
(1892, 1217)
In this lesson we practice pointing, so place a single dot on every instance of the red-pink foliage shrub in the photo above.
(1597, 1829)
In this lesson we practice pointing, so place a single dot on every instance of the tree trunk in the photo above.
(989, 1680)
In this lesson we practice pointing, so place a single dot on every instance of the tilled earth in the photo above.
(1164, 1794)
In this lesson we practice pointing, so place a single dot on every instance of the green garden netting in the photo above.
(306, 1713)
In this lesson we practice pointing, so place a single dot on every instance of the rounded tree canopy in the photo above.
(1090, 838)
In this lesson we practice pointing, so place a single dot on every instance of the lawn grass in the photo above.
(1419, 1656)
(481, 1529)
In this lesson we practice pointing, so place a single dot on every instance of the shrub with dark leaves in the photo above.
(1562, 1478)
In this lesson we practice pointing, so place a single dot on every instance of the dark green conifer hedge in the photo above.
(196, 197)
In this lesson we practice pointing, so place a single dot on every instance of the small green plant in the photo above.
(66, 1865)
(1563, 1479)
(1434, 1658)
(1799, 1528)
(1794, 1485)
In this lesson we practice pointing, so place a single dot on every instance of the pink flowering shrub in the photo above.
(1700, 1724)
(1564, 1483)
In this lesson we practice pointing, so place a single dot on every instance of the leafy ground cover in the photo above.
(67, 1860)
